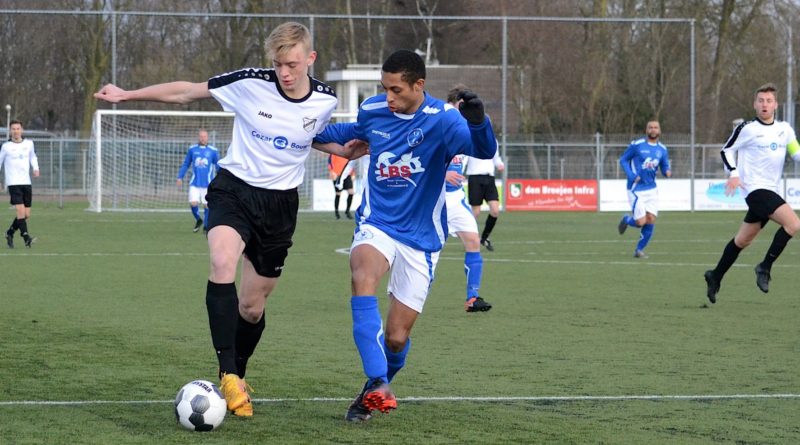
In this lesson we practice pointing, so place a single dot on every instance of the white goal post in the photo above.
(134, 158)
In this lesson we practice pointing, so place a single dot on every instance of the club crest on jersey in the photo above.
(280, 142)
(401, 169)
(773, 146)
(309, 124)
(415, 137)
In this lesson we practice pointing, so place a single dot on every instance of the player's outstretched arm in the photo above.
(353, 149)
(180, 92)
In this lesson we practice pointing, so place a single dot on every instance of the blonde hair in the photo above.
(767, 88)
(283, 38)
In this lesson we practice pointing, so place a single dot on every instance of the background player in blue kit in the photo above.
(462, 223)
(253, 199)
(202, 158)
(641, 162)
(401, 224)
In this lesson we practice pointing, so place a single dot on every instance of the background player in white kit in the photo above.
(754, 156)
(17, 158)
(481, 187)
(253, 199)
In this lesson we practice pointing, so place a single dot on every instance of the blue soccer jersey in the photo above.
(455, 165)
(409, 154)
(644, 159)
(203, 160)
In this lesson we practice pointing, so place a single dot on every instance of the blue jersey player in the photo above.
(641, 162)
(462, 223)
(401, 224)
(202, 158)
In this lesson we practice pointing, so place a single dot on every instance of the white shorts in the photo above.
(198, 194)
(459, 213)
(411, 270)
(643, 202)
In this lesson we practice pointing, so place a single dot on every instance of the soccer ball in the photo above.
(199, 406)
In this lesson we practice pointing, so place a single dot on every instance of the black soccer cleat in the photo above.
(348, 215)
(197, 225)
(29, 241)
(713, 286)
(477, 304)
(10, 240)
(357, 411)
(762, 278)
(487, 244)
(622, 226)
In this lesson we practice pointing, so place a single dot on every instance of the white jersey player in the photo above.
(754, 157)
(253, 199)
(17, 158)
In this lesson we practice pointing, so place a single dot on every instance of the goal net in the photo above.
(134, 158)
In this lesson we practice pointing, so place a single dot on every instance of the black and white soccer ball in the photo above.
(199, 406)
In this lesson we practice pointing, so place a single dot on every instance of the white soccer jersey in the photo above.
(272, 132)
(17, 159)
(475, 166)
(760, 153)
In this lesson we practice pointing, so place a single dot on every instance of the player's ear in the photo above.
(312, 56)
(419, 85)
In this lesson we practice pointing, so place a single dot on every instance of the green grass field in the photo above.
(103, 320)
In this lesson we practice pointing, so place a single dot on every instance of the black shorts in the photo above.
(760, 205)
(481, 188)
(265, 219)
(347, 184)
(21, 194)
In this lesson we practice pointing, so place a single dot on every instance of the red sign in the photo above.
(572, 195)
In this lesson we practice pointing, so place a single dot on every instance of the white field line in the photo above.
(620, 398)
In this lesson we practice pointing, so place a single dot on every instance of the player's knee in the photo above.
(223, 268)
(472, 242)
(251, 312)
(792, 228)
(396, 341)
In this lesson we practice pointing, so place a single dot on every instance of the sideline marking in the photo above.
(650, 397)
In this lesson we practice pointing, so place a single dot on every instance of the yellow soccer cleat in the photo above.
(235, 391)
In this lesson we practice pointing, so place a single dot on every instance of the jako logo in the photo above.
(415, 137)
(280, 142)
(263, 114)
(403, 168)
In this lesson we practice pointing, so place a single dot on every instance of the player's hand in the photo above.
(36, 173)
(454, 178)
(111, 93)
(355, 148)
(471, 107)
(500, 167)
(731, 185)
(179, 182)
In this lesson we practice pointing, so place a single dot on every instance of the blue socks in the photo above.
(396, 360)
(205, 218)
(368, 336)
(473, 268)
(647, 233)
(629, 220)
(195, 212)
